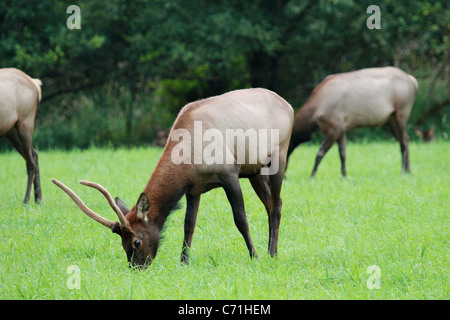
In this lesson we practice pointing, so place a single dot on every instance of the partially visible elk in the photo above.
(19, 99)
(426, 135)
(161, 136)
(363, 98)
(241, 110)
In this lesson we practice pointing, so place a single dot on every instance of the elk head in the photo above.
(140, 237)
(426, 135)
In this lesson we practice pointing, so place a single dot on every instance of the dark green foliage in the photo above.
(134, 64)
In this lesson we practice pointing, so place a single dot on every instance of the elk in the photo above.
(363, 98)
(19, 99)
(244, 111)
(426, 135)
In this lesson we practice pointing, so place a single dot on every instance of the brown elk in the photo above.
(426, 135)
(235, 115)
(363, 98)
(19, 98)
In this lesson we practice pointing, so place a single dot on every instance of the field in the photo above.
(377, 234)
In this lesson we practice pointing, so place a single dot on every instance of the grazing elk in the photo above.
(426, 135)
(363, 98)
(183, 170)
(19, 98)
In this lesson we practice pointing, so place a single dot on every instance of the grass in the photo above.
(332, 230)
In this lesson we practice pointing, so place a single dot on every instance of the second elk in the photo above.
(363, 98)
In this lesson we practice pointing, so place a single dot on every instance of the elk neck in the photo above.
(165, 188)
(304, 125)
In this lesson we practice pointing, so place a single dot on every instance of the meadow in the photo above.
(333, 230)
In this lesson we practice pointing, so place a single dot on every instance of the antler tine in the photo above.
(108, 197)
(82, 206)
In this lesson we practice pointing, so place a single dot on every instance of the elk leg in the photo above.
(25, 136)
(37, 179)
(275, 182)
(404, 142)
(14, 137)
(31, 176)
(262, 190)
(399, 133)
(192, 203)
(324, 147)
(404, 148)
(234, 194)
(342, 154)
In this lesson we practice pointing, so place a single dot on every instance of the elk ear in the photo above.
(115, 228)
(418, 132)
(142, 206)
(122, 206)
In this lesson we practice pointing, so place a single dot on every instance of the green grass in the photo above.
(332, 230)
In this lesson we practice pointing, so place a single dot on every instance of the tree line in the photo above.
(132, 65)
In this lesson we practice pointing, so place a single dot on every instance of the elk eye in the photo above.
(137, 243)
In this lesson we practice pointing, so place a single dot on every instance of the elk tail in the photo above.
(416, 84)
(38, 84)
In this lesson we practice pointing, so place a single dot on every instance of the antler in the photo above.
(108, 197)
(89, 212)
